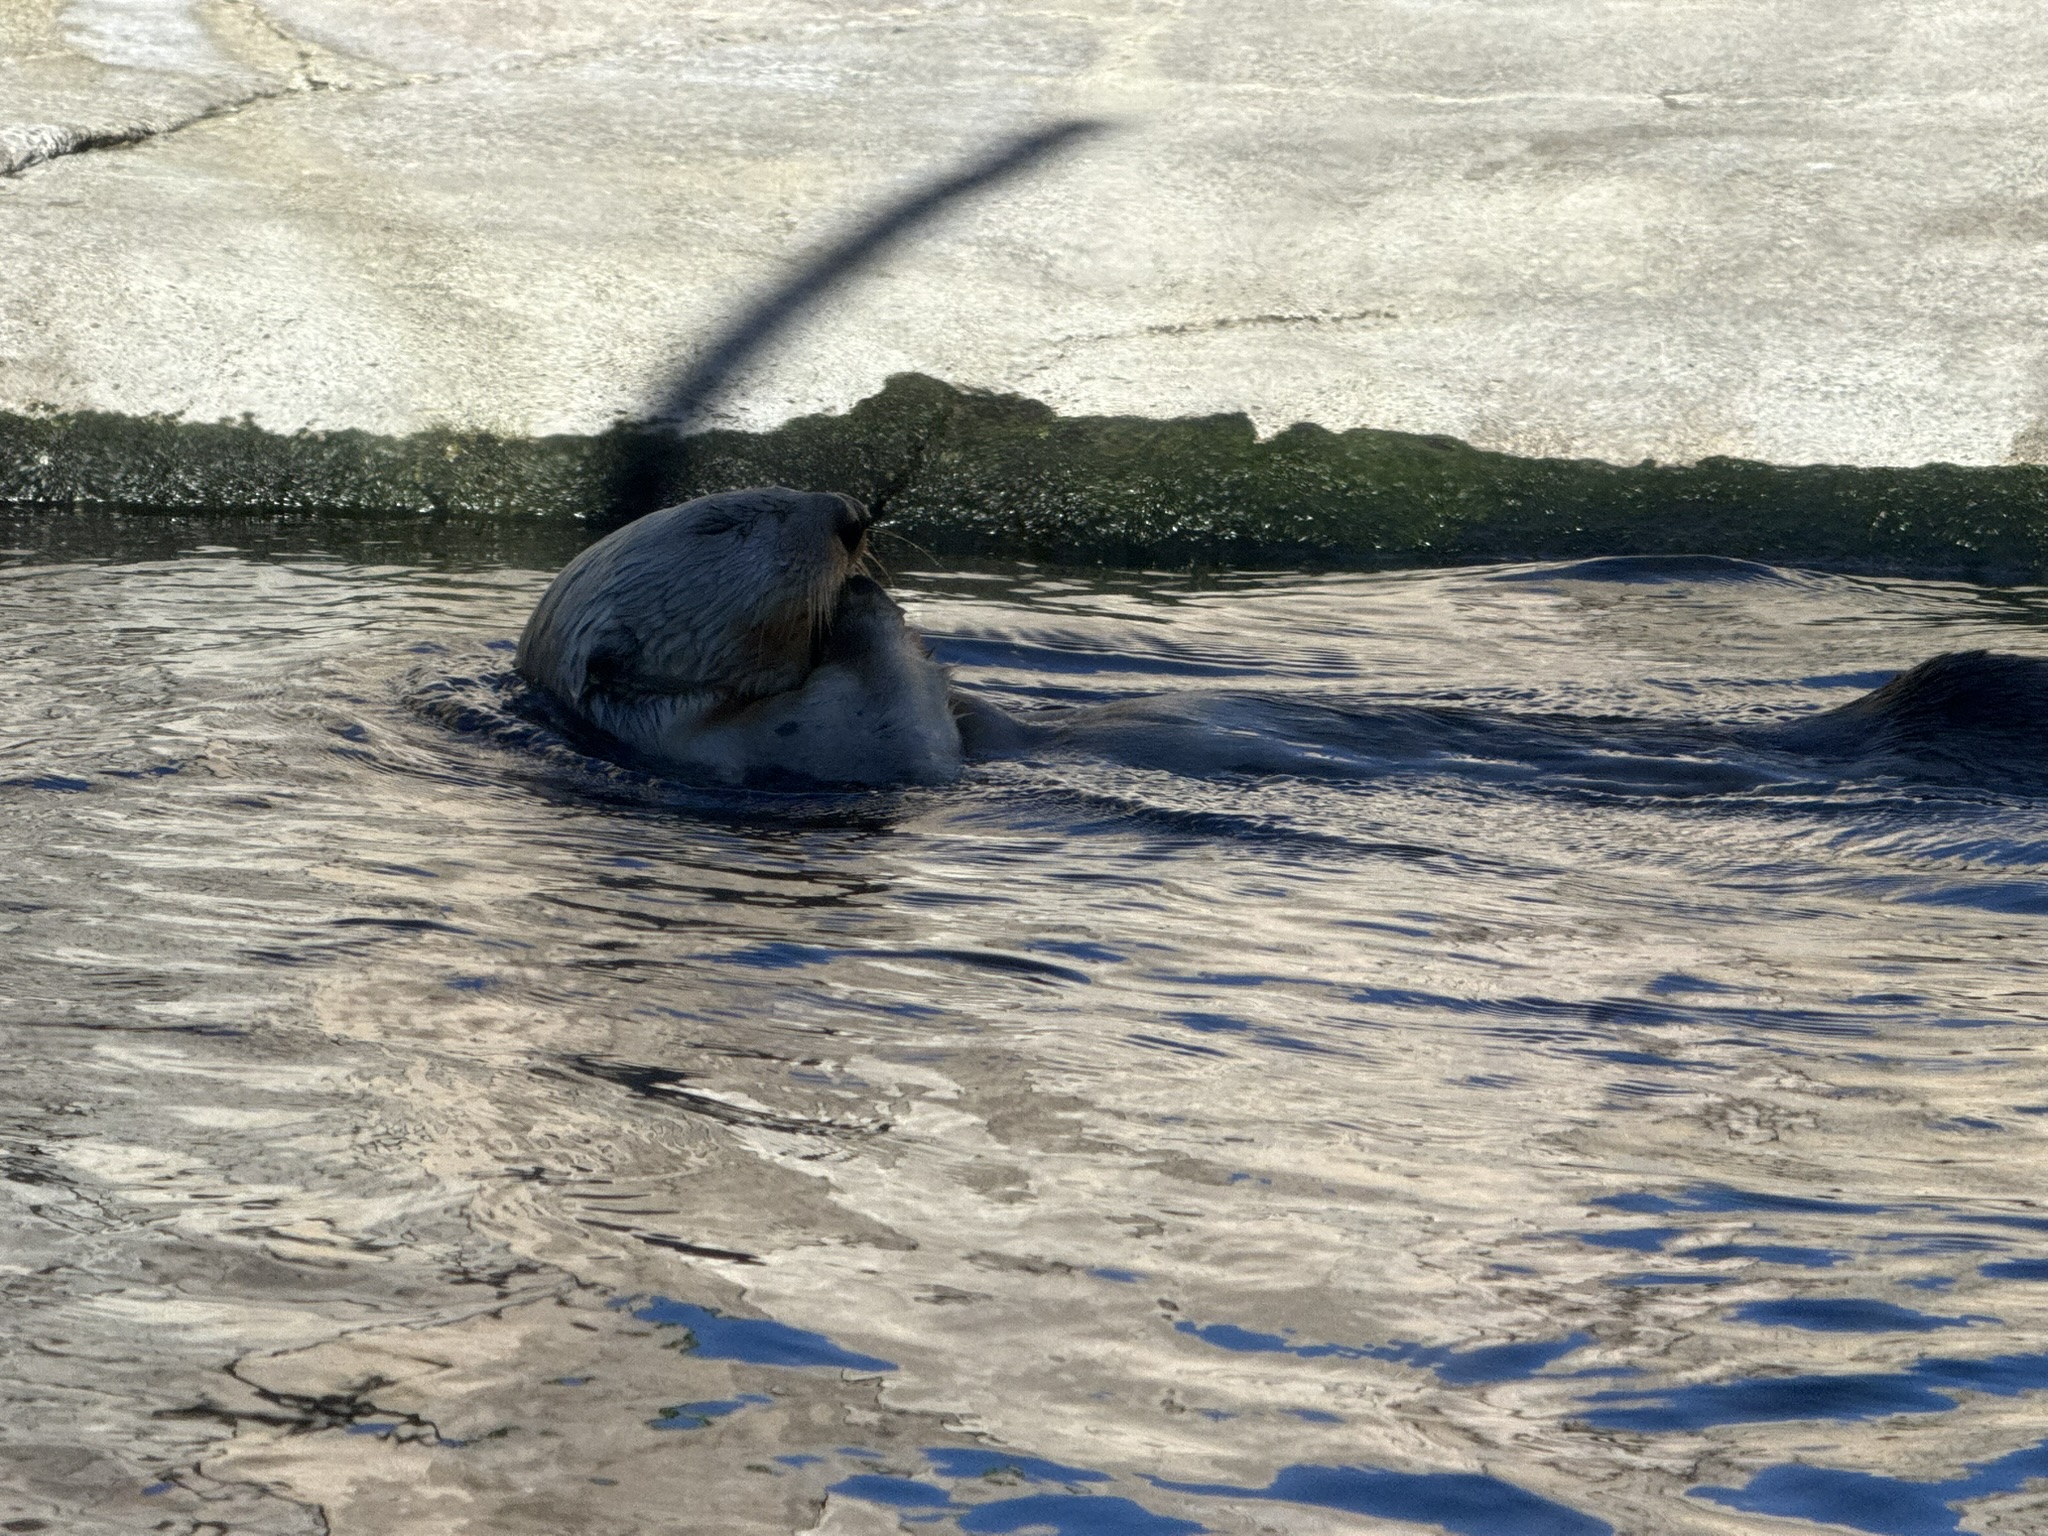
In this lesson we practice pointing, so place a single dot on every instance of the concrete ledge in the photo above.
(965, 473)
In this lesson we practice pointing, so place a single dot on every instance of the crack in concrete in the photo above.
(1283, 317)
(1200, 327)
(314, 68)
(308, 53)
(23, 145)
(1231, 323)
(27, 144)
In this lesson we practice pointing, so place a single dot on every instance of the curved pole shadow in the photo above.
(647, 464)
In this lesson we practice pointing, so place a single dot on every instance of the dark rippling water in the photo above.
(412, 1126)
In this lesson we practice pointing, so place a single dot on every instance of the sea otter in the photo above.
(734, 639)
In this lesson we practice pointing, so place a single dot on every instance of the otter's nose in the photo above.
(852, 526)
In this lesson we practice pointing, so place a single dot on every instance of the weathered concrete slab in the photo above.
(1796, 232)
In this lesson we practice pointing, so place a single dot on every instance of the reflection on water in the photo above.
(416, 1126)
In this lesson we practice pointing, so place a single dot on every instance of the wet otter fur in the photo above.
(734, 639)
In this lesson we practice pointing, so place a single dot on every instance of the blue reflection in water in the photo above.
(1459, 1367)
(1634, 1239)
(1848, 1314)
(968, 1461)
(1886, 1506)
(1229, 1024)
(1243, 1341)
(1996, 1219)
(700, 1415)
(1653, 1240)
(1492, 1362)
(1936, 1242)
(1464, 1503)
(1925, 1388)
(1070, 1514)
(755, 1340)
(2025, 896)
(1769, 1253)
(1719, 1197)
(899, 1492)
(1064, 1514)
(2015, 1269)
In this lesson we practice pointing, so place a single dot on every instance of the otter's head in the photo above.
(704, 607)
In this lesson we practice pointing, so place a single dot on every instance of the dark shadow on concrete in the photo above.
(655, 462)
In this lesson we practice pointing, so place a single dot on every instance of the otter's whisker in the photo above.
(916, 548)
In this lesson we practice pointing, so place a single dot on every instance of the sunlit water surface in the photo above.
(411, 1126)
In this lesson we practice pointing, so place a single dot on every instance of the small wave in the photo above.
(1208, 735)
(1078, 658)
(1656, 570)
(554, 757)
(1977, 719)
(1974, 717)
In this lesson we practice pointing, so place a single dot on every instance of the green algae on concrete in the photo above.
(963, 473)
